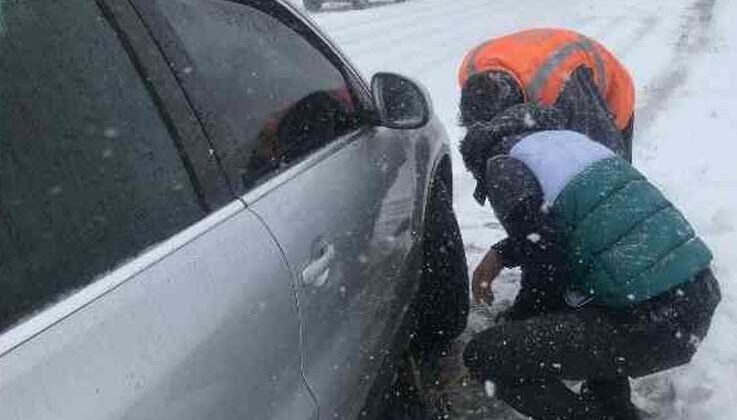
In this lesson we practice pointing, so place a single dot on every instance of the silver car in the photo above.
(205, 213)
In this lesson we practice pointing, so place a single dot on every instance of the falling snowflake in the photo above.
(533, 237)
(489, 389)
(694, 341)
(111, 133)
(529, 121)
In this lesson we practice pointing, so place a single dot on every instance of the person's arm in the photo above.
(510, 251)
(587, 111)
(517, 199)
(504, 254)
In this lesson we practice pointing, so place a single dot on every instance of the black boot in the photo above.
(611, 398)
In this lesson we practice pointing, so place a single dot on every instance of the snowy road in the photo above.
(681, 54)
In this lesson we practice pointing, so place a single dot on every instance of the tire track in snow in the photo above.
(388, 43)
(419, 30)
(693, 40)
(648, 24)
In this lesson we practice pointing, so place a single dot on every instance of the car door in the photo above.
(293, 132)
(131, 289)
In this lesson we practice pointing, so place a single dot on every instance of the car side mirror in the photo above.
(401, 103)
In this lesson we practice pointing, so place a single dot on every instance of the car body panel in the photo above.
(204, 327)
(357, 203)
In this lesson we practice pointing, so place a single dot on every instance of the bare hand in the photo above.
(484, 275)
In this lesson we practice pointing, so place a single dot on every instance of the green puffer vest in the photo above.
(625, 242)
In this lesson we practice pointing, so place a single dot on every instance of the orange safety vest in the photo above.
(542, 60)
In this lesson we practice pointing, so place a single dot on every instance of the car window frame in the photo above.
(179, 60)
(213, 195)
(193, 145)
(327, 47)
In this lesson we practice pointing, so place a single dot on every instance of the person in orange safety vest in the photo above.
(551, 67)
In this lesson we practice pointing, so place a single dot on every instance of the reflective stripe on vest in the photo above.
(534, 89)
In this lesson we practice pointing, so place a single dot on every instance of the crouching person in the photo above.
(637, 292)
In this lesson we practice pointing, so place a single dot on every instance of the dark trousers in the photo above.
(527, 359)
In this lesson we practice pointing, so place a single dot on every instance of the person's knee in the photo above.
(482, 354)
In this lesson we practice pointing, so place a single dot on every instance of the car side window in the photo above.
(89, 174)
(276, 96)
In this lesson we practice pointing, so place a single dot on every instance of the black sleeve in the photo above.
(517, 200)
(511, 251)
(588, 113)
(515, 195)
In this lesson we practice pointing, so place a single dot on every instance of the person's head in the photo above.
(485, 95)
(485, 139)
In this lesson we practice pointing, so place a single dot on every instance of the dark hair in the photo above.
(484, 95)
(483, 140)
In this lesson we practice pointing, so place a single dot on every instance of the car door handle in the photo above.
(316, 273)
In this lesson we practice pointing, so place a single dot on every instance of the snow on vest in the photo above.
(625, 242)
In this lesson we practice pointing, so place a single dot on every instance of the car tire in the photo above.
(443, 298)
(312, 5)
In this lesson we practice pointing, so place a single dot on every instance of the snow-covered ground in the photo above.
(681, 54)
